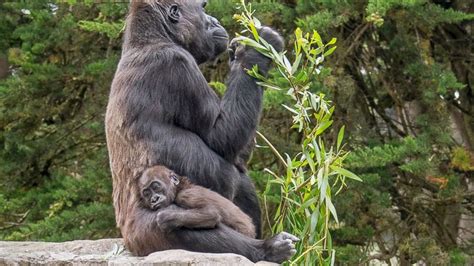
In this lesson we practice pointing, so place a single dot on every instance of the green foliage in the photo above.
(54, 176)
(462, 159)
(305, 207)
(382, 6)
(457, 257)
(401, 79)
(322, 20)
(112, 30)
(422, 10)
(222, 9)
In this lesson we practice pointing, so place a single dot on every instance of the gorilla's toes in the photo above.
(280, 247)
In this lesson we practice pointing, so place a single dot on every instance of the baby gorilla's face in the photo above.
(157, 187)
(155, 195)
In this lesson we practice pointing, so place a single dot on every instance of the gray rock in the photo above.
(106, 252)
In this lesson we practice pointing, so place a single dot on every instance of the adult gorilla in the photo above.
(161, 111)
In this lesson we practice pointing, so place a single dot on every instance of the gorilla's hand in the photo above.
(280, 247)
(168, 219)
(249, 57)
(272, 37)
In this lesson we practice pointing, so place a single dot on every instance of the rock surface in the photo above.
(106, 252)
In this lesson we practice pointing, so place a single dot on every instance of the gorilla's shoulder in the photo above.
(155, 55)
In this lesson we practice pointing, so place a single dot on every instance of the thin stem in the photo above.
(275, 151)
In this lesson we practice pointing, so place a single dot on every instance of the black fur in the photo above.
(161, 111)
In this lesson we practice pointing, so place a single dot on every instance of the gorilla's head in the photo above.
(183, 22)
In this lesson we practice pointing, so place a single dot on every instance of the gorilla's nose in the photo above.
(155, 198)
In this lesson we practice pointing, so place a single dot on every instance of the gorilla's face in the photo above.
(190, 27)
(157, 187)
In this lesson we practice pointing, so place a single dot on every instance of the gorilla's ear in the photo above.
(174, 179)
(173, 13)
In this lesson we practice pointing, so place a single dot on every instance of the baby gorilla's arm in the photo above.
(174, 217)
(202, 200)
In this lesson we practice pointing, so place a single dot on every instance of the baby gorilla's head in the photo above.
(157, 187)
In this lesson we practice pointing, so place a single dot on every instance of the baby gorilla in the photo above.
(182, 204)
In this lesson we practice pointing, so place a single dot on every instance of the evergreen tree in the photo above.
(54, 175)
(401, 80)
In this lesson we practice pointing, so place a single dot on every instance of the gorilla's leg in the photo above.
(143, 235)
(246, 199)
(276, 249)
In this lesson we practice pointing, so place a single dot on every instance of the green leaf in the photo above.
(317, 38)
(323, 187)
(340, 137)
(314, 221)
(332, 209)
(296, 64)
(330, 51)
(288, 66)
(345, 173)
(331, 42)
(290, 109)
(317, 151)
(309, 202)
(310, 161)
(323, 126)
(257, 23)
(269, 86)
(254, 31)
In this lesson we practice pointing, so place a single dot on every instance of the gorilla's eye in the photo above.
(155, 186)
(173, 13)
(146, 193)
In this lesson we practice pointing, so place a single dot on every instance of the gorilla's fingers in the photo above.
(272, 37)
(235, 47)
(286, 235)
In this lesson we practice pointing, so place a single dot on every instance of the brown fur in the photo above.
(197, 207)
(203, 208)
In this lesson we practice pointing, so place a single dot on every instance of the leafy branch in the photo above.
(306, 190)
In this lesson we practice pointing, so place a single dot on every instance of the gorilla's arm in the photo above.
(240, 108)
(194, 218)
(226, 125)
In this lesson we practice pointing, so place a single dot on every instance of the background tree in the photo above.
(54, 174)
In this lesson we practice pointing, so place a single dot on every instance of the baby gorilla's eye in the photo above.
(155, 186)
(146, 193)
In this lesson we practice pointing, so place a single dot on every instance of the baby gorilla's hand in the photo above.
(167, 220)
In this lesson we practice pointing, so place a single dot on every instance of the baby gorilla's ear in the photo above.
(174, 179)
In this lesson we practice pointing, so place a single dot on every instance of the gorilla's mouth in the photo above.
(221, 41)
(157, 205)
(221, 36)
(220, 33)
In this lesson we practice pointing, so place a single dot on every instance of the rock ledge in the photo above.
(106, 252)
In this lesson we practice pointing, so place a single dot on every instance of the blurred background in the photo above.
(401, 80)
